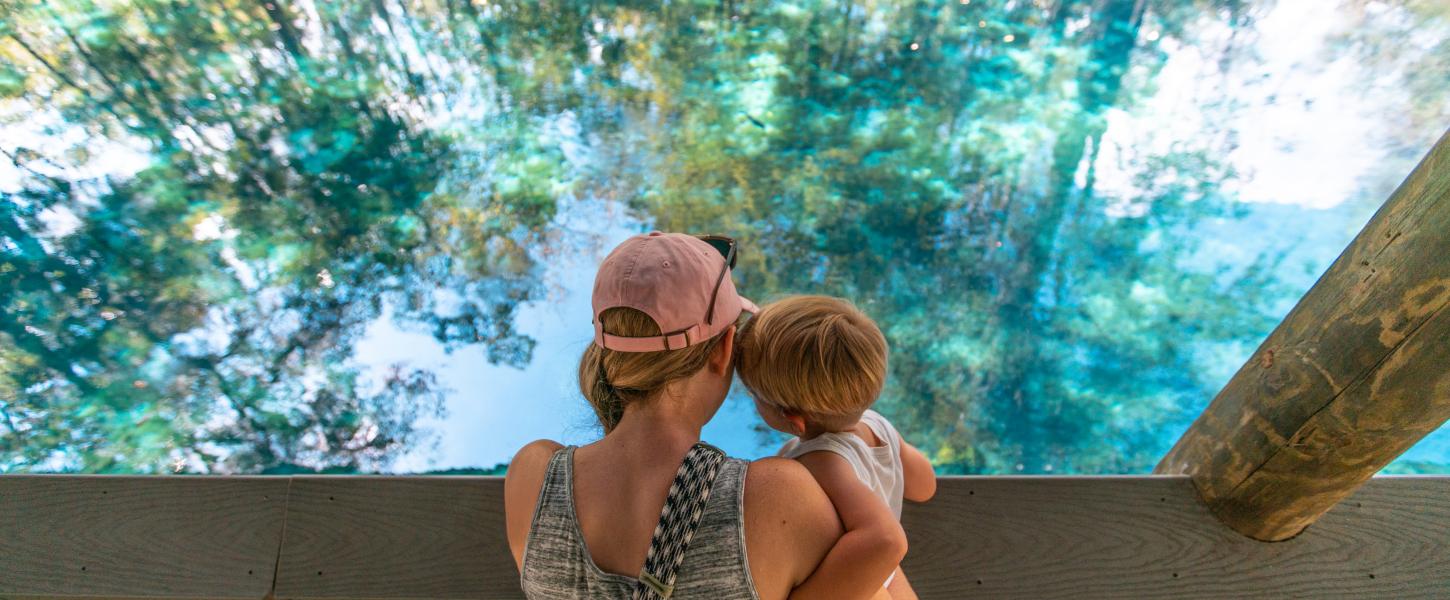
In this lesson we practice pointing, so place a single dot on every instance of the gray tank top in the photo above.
(557, 563)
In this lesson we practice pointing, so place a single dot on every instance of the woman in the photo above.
(582, 522)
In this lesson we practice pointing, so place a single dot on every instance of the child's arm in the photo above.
(900, 588)
(919, 478)
(872, 546)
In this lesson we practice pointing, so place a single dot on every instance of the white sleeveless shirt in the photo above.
(878, 467)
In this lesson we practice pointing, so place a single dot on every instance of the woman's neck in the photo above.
(662, 427)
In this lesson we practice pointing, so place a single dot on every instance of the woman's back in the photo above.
(765, 527)
(558, 564)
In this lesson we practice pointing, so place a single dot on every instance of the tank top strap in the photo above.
(558, 478)
(679, 518)
(845, 445)
(884, 430)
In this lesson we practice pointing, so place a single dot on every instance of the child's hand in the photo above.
(871, 548)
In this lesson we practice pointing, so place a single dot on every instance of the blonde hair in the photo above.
(814, 355)
(611, 380)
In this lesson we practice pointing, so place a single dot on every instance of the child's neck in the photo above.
(814, 431)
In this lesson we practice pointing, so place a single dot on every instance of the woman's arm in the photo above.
(920, 479)
(521, 492)
(871, 548)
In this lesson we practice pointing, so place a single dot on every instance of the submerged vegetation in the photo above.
(213, 199)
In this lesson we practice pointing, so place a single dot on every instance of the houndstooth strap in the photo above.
(678, 521)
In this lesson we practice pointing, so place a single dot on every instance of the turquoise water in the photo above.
(359, 237)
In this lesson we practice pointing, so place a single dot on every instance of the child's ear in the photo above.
(797, 421)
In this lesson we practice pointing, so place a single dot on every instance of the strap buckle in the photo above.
(657, 586)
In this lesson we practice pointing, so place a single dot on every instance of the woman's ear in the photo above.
(724, 354)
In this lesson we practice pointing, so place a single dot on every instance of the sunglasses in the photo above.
(727, 248)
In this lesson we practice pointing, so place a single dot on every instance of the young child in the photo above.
(815, 365)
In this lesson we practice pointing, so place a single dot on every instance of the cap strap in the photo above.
(671, 341)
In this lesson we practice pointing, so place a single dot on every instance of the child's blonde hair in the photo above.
(817, 356)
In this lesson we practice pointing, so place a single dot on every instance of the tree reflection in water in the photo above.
(311, 166)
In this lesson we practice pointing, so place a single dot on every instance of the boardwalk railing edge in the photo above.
(441, 537)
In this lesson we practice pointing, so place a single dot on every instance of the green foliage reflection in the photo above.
(312, 167)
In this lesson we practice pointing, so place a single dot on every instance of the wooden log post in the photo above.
(1355, 375)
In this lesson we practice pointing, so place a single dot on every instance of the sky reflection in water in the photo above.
(353, 238)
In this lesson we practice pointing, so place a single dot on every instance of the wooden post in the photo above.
(1355, 375)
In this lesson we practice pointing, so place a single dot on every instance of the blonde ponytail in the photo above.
(612, 381)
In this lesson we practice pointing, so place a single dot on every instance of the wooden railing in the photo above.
(442, 537)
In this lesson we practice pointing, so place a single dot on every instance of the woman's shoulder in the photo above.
(790, 524)
(521, 485)
(526, 471)
(537, 451)
(776, 484)
(773, 472)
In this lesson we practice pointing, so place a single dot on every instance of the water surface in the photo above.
(352, 237)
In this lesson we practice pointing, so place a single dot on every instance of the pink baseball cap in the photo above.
(681, 281)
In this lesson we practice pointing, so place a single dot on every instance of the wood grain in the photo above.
(396, 537)
(139, 537)
(1353, 376)
(1150, 537)
(442, 537)
(1374, 420)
